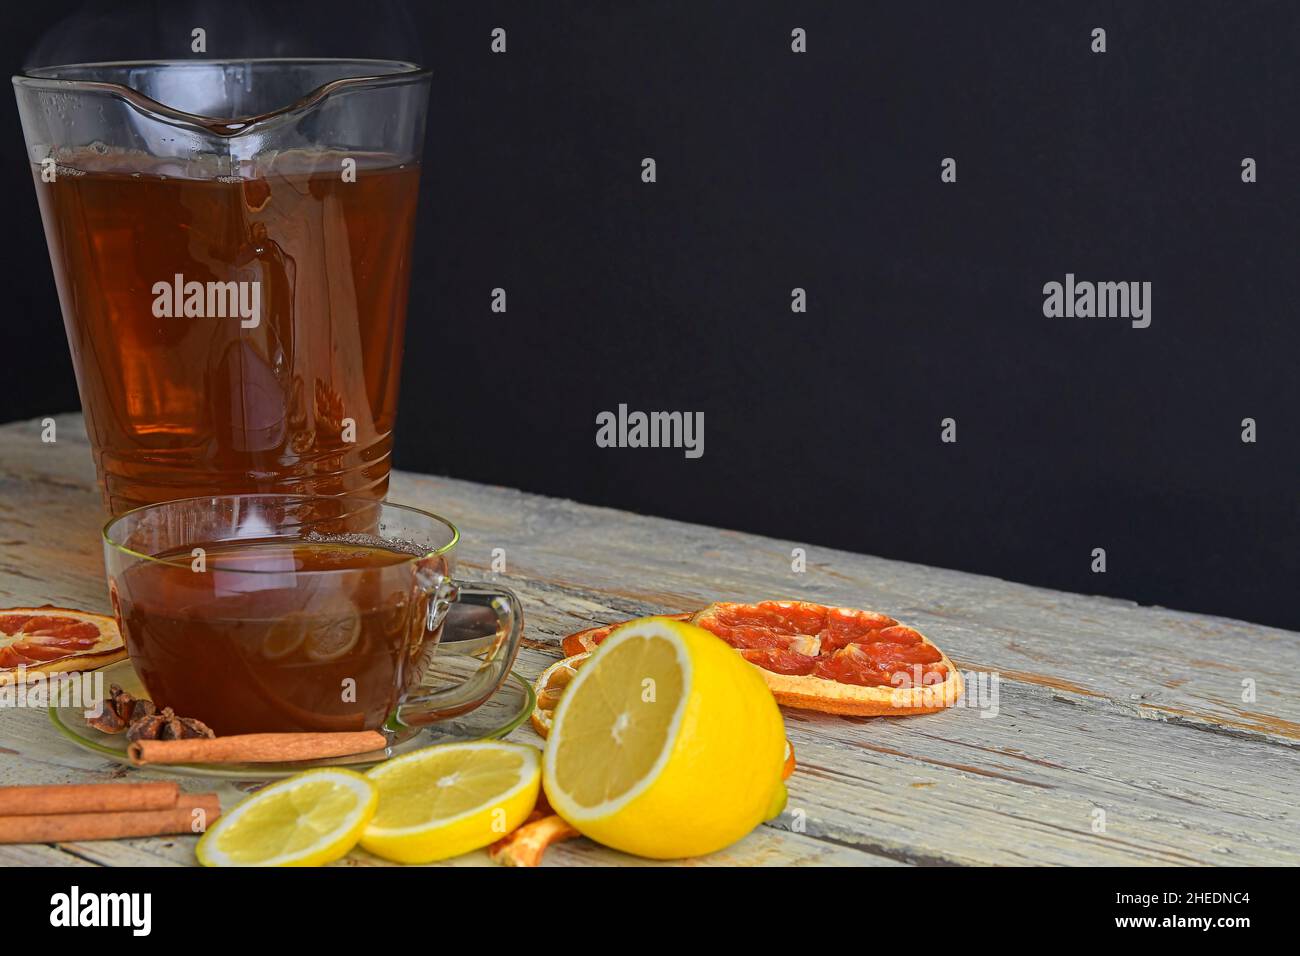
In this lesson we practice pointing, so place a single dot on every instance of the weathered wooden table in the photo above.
(1120, 734)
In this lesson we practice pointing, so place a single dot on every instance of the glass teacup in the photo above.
(260, 613)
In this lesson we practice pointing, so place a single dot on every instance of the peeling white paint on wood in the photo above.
(1103, 704)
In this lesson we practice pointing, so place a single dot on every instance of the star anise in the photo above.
(167, 726)
(120, 710)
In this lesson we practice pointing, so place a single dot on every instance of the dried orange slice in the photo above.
(47, 640)
(832, 659)
(549, 686)
(526, 845)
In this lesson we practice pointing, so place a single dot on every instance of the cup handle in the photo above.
(496, 653)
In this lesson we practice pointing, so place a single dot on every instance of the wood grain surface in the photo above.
(1105, 711)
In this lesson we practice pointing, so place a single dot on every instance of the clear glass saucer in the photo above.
(504, 711)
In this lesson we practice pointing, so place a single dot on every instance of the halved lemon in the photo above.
(310, 819)
(450, 799)
(549, 688)
(665, 744)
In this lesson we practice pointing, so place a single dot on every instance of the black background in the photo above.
(821, 171)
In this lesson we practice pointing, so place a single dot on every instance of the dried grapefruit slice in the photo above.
(837, 660)
(47, 640)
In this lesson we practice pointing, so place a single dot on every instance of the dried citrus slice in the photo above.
(835, 659)
(549, 686)
(832, 659)
(525, 846)
(46, 640)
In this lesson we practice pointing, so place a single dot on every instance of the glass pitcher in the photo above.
(231, 241)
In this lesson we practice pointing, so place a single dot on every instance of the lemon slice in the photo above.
(666, 743)
(284, 636)
(450, 799)
(332, 637)
(307, 820)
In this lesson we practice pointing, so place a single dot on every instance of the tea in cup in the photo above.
(260, 613)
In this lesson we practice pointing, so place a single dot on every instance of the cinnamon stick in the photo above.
(114, 824)
(87, 798)
(256, 748)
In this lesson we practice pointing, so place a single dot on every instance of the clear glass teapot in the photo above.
(231, 241)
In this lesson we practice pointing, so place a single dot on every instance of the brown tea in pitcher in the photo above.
(267, 635)
(234, 328)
